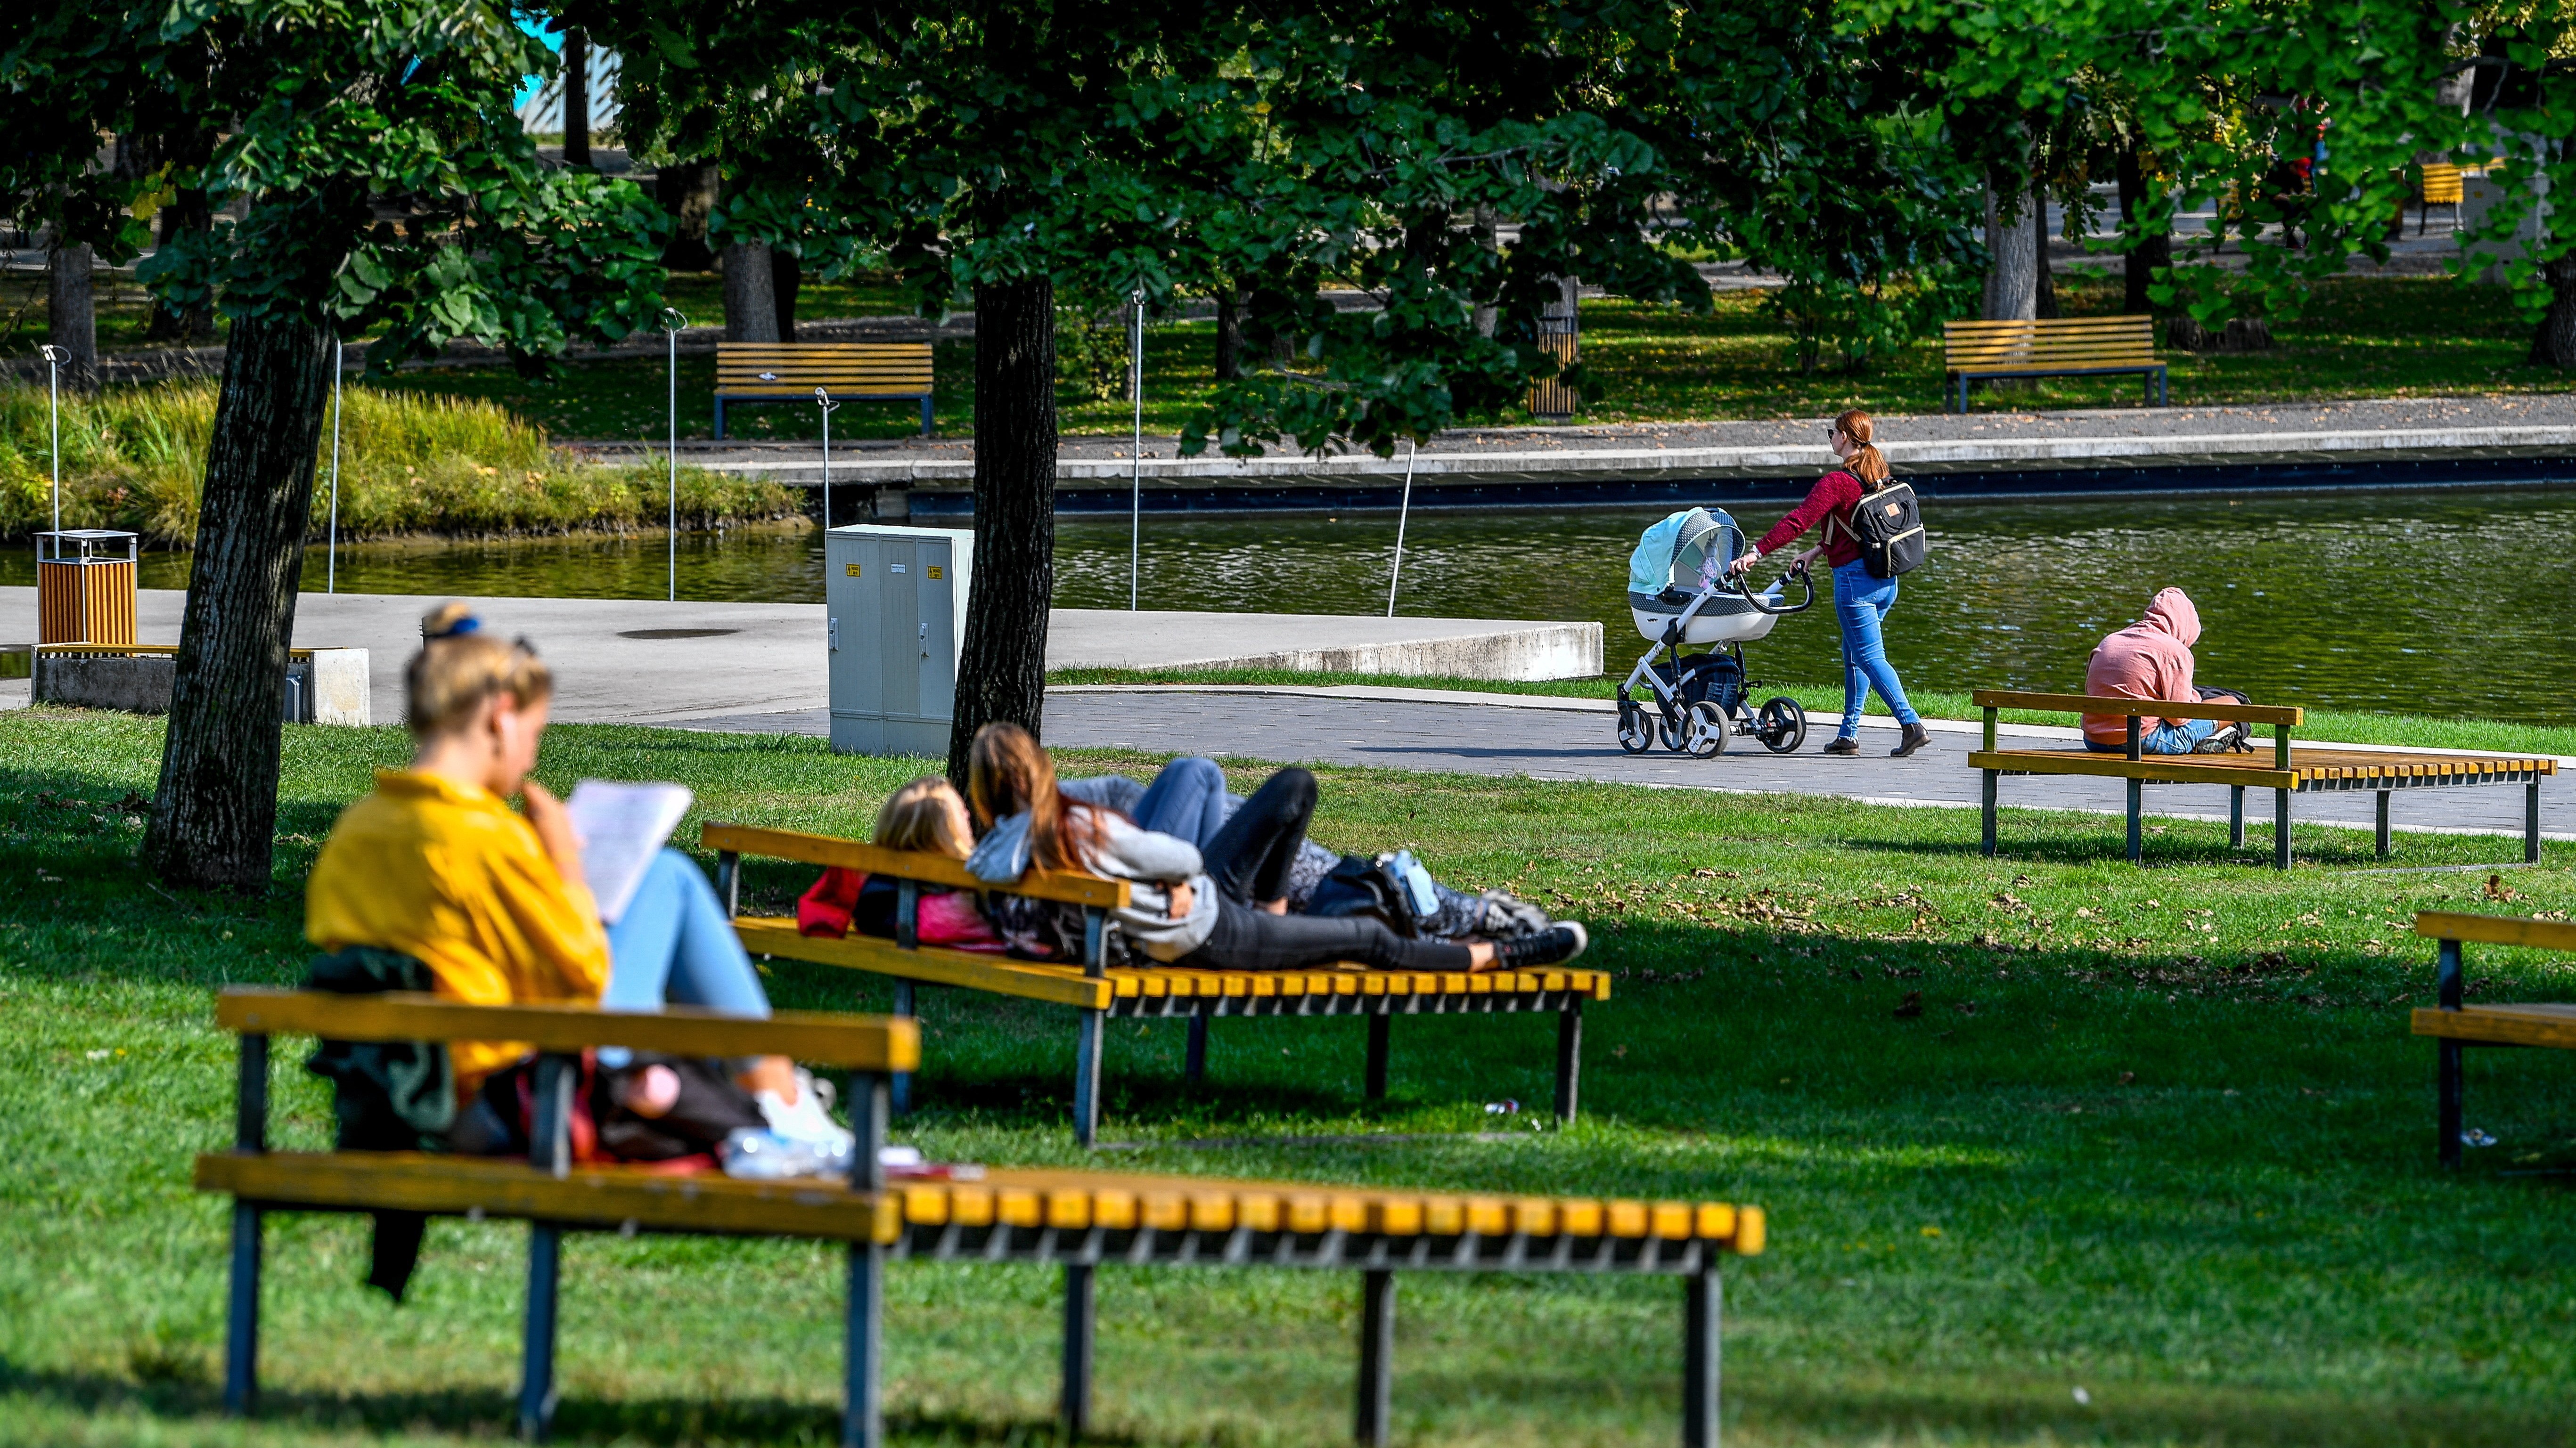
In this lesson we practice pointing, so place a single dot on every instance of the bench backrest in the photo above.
(2287, 715)
(2051, 342)
(1066, 886)
(876, 1044)
(2496, 930)
(2442, 184)
(896, 368)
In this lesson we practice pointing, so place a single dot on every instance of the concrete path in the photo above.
(641, 661)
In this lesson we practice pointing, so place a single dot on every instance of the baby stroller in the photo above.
(1680, 593)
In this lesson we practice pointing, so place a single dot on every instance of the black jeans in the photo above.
(1249, 859)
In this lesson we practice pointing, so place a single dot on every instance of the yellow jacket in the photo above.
(451, 876)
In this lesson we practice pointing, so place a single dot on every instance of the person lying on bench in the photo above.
(925, 815)
(2151, 659)
(435, 866)
(1221, 909)
(1189, 800)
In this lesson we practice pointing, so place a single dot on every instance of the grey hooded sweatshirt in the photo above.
(1150, 861)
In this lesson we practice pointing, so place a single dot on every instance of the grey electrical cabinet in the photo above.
(895, 600)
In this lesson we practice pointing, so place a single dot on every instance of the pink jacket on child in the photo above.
(2150, 659)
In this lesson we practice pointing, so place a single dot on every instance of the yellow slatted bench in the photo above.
(2443, 186)
(790, 371)
(2454, 1024)
(2052, 347)
(2285, 771)
(1079, 1220)
(1099, 993)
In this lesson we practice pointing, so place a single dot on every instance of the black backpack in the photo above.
(1888, 526)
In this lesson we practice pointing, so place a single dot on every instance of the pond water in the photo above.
(2449, 603)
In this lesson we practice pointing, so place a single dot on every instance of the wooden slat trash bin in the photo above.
(2280, 768)
(1079, 1220)
(2052, 347)
(2455, 1024)
(1099, 993)
(85, 585)
(851, 371)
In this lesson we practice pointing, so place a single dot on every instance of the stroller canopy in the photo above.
(1683, 552)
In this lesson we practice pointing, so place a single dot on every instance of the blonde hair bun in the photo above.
(459, 667)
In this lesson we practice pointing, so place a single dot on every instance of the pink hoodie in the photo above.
(2150, 659)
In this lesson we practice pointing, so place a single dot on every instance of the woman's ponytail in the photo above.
(1866, 462)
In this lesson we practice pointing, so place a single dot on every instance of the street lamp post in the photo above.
(823, 402)
(672, 324)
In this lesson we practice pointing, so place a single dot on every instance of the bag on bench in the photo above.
(2230, 736)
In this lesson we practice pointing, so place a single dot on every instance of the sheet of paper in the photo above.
(622, 827)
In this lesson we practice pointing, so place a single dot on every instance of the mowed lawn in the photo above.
(2152, 1164)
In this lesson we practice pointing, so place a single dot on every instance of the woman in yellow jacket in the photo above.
(434, 864)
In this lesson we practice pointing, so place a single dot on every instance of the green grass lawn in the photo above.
(1824, 705)
(2156, 1134)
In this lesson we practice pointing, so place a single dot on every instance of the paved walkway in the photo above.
(1575, 739)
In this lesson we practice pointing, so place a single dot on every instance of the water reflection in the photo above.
(2454, 604)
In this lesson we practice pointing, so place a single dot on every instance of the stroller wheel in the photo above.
(1706, 730)
(1781, 725)
(1636, 732)
(1676, 731)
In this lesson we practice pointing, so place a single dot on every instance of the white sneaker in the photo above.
(808, 1121)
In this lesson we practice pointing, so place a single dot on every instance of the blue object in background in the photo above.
(529, 85)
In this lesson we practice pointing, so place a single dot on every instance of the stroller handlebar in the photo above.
(1744, 586)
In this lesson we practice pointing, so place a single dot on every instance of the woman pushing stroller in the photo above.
(1861, 602)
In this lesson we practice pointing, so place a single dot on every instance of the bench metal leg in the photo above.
(2280, 829)
(1086, 1078)
(241, 1329)
(2137, 834)
(2449, 990)
(863, 1364)
(1194, 1059)
(2531, 823)
(2236, 816)
(2383, 824)
(925, 417)
(1703, 1297)
(720, 419)
(1373, 1076)
(1990, 813)
(1370, 1424)
(1569, 1059)
(1080, 1321)
(901, 1084)
(537, 1358)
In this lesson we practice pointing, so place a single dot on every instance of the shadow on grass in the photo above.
(493, 1413)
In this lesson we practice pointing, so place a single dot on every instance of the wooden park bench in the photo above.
(2454, 1024)
(2443, 186)
(1099, 993)
(2052, 347)
(1079, 1220)
(853, 371)
(2282, 770)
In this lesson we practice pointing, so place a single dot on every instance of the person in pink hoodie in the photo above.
(2150, 659)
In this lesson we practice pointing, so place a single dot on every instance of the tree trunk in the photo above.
(1003, 673)
(1485, 314)
(687, 190)
(2143, 260)
(71, 316)
(2012, 279)
(2554, 344)
(215, 814)
(750, 294)
(2045, 302)
(576, 98)
(1229, 335)
(786, 275)
(190, 214)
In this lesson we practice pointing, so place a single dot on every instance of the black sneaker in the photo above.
(1843, 744)
(1555, 945)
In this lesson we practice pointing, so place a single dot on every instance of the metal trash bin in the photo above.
(84, 589)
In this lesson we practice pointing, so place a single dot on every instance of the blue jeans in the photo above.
(2182, 738)
(675, 944)
(1860, 604)
(1188, 801)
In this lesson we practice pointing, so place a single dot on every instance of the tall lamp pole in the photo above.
(1136, 454)
(823, 402)
(672, 323)
(54, 359)
(1402, 512)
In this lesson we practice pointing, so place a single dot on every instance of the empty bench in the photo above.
(1098, 993)
(1079, 1220)
(854, 371)
(2454, 1024)
(2281, 769)
(2051, 347)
